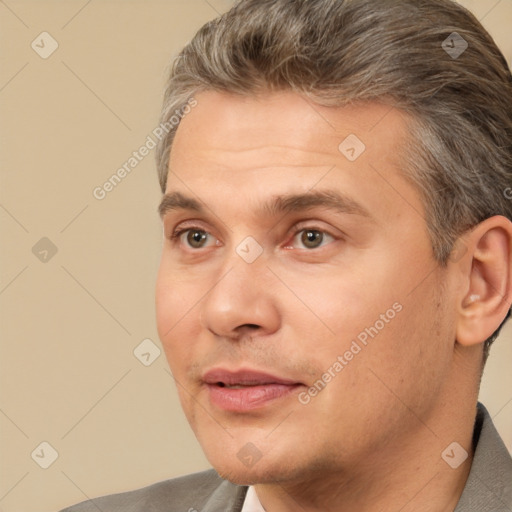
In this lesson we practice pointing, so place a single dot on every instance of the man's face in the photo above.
(299, 303)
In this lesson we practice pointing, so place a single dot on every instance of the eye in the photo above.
(195, 238)
(312, 238)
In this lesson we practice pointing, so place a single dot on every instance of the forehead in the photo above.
(289, 125)
(259, 146)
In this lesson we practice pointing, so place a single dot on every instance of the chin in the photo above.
(247, 457)
(246, 476)
(262, 472)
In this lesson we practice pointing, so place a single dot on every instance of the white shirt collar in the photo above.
(251, 502)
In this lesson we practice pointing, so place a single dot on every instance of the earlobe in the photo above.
(488, 274)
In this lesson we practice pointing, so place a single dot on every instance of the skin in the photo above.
(372, 438)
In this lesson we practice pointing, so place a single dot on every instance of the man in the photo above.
(337, 258)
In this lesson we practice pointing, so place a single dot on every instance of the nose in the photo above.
(242, 302)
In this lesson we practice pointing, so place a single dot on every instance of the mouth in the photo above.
(245, 390)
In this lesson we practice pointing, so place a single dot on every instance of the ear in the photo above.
(487, 265)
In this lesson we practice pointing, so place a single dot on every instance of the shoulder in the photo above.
(489, 485)
(181, 494)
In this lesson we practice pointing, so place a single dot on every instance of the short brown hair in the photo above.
(335, 52)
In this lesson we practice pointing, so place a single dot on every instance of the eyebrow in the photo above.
(178, 201)
(330, 199)
(277, 205)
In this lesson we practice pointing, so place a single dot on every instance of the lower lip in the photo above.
(249, 398)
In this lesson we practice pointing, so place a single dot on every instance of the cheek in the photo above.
(386, 314)
(175, 315)
(177, 323)
(176, 293)
(347, 302)
(411, 355)
(166, 305)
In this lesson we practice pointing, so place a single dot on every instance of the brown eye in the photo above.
(311, 238)
(196, 238)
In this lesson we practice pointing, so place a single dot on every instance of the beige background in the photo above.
(69, 325)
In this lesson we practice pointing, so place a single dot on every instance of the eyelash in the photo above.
(177, 233)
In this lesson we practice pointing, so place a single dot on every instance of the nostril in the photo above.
(246, 331)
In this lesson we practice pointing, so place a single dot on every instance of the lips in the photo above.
(245, 390)
(243, 378)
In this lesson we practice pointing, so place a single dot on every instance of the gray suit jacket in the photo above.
(488, 488)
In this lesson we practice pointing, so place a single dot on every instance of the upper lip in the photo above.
(244, 377)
